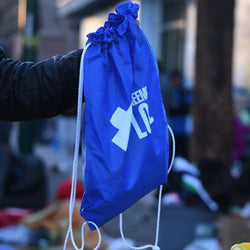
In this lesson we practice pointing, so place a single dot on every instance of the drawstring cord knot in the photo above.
(156, 248)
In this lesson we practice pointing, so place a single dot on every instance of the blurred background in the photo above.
(203, 52)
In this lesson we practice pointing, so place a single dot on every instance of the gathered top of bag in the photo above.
(116, 25)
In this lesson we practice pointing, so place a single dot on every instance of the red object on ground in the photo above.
(12, 216)
(64, 190)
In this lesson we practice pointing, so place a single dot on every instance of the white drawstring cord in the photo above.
(75, 166)
(155, 246)
(173, 149)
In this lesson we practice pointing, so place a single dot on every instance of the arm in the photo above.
(38, 90)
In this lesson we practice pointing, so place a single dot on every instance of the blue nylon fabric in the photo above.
(124, 123)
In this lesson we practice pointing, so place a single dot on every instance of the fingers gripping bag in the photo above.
(124, 129)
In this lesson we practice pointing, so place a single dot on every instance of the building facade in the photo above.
(54, 35)
(9, 23)
(170, 26)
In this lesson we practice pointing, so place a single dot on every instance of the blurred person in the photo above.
(240, 133)
(178, 100)
(164, 79)
(17, 187)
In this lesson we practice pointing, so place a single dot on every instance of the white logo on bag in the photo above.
(122, 119)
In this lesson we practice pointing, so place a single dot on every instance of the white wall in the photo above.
(151, 21)
(241, 50)
(92, 23)
(190, 43)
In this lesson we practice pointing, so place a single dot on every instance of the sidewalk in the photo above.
(50, 158)
(139, 221)
(177, 224)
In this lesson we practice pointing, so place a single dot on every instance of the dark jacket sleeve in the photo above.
(38, 90)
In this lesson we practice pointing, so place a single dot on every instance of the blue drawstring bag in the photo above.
(125, 130)
(124, 123)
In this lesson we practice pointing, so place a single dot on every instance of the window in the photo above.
(173, 35)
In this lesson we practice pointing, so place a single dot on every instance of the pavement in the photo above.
(139, 221)
(177, 224)
(50, 157)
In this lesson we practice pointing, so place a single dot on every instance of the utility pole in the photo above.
(212, 106)
(27, 128)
